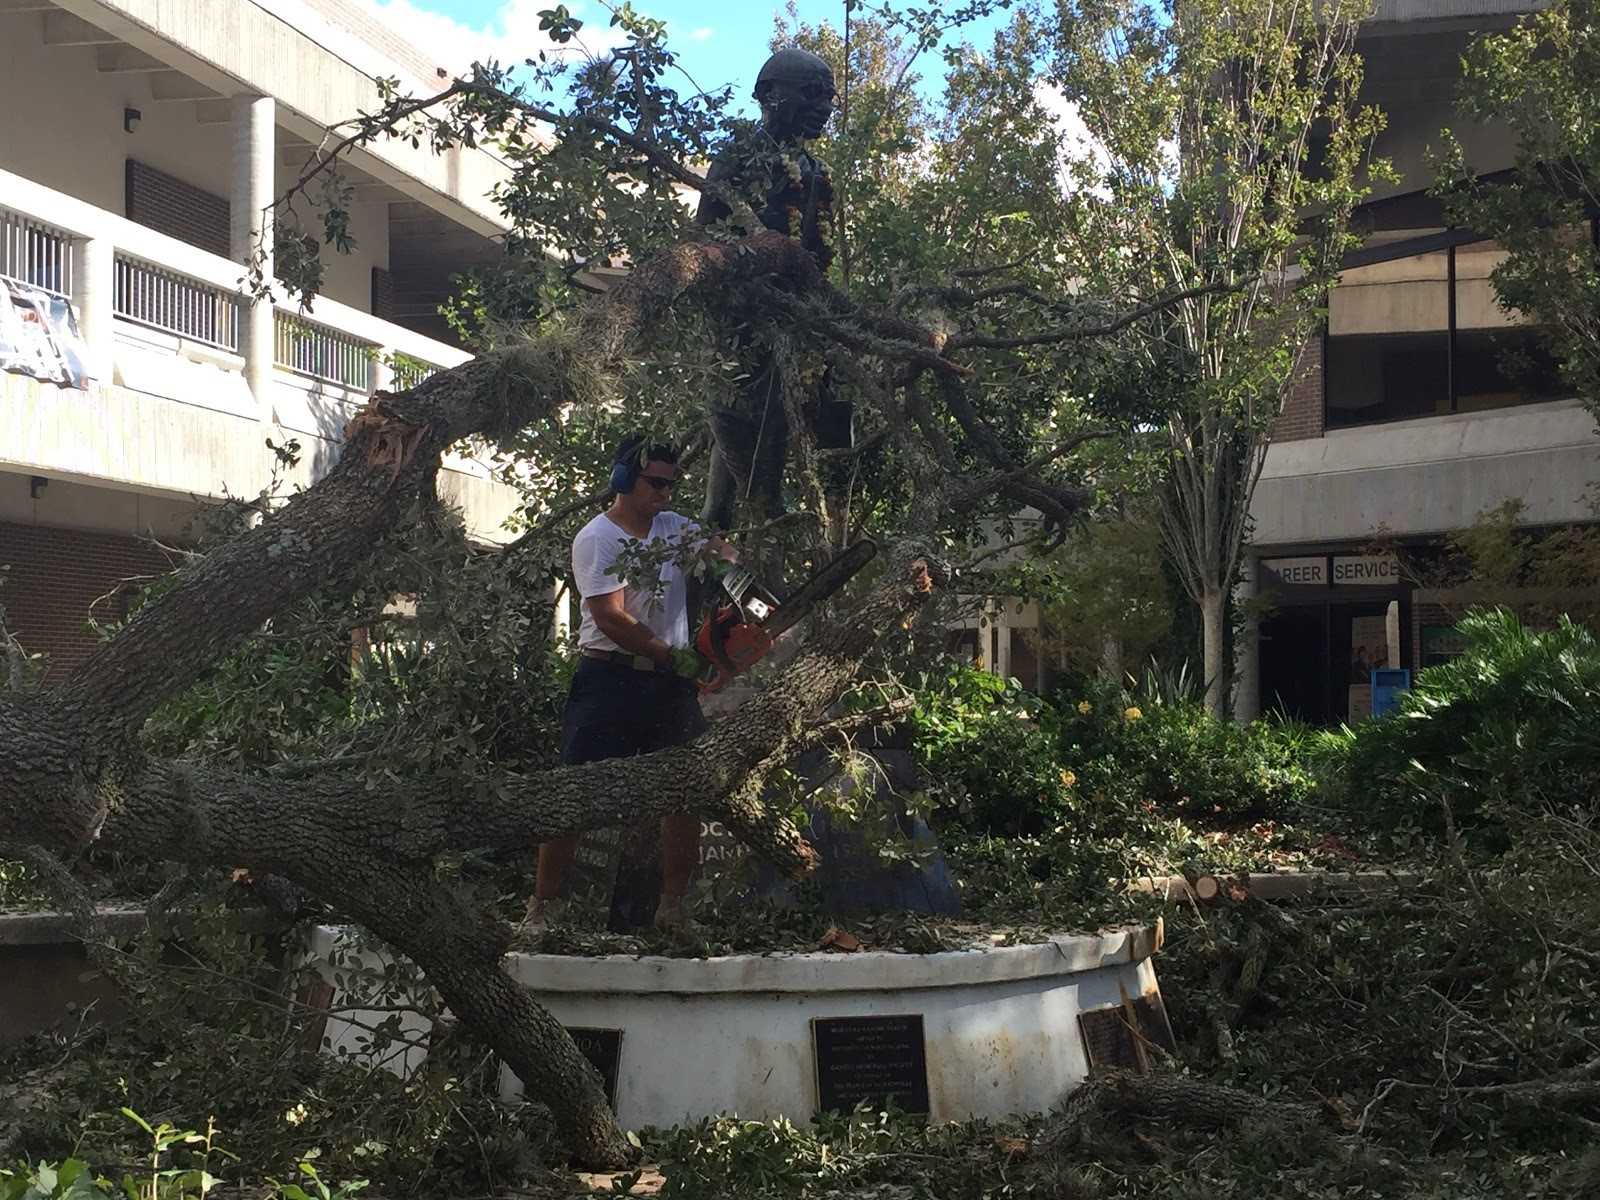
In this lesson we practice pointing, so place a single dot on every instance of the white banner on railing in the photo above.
(39, 336)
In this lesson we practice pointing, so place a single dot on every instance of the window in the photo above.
(1388, 350)
(1422, 334)
(1499, 360)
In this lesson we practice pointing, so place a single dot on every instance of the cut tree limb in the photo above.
(1165, 1099)
(391, 455)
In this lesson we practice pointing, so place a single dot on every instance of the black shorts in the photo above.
(614, 711)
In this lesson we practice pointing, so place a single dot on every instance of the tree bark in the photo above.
(1111, 658)
(71, 772)
(1164, 1099)
(1213, 617)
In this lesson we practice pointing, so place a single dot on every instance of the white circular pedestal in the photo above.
(701, 1037)
(1000, 1027)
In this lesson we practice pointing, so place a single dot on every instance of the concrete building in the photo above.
(1407, 421)
(140, 142)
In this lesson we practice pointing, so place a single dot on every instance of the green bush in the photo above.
(1007, 763)
(1045, 804)
(1180, 759)
(1509, 728)
(990, 750)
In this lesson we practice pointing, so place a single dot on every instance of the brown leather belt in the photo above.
(638, 662)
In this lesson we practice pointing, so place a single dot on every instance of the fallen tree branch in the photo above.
(391, 454)
(1165, 1099)
(877, 336)
(883, 715)
(370, 127)
(1074, 333)
(693, 447)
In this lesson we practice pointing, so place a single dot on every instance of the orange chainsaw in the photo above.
(742, 626)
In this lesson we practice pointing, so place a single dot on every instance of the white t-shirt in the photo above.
(664, 610)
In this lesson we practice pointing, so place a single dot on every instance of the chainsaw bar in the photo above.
(820, 586)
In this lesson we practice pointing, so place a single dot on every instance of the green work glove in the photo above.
(685, 662)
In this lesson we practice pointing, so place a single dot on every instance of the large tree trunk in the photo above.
(71, 772)
(370, 853)
(1111, 658)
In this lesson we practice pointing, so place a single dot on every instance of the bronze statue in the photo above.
(791, 192)
(789, 188)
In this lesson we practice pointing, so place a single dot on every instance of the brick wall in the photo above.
(169, 205)
(1302, 412)
(53, 576)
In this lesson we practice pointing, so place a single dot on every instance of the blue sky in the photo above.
(719, 43)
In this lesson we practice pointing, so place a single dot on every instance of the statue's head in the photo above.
(795, 91)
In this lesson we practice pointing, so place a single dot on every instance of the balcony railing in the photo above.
(35, 253)
(161, 299)
(117, 273)
(322, 351)
(406, 371)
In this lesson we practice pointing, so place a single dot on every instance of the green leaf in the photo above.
(137, 1120)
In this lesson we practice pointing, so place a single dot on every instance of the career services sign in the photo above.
(1366, 570)
(1297, 572)
(1340, 571)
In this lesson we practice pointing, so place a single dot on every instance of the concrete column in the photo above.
(93, 265)
(254, 156)
(1247, 647)
(380, 375)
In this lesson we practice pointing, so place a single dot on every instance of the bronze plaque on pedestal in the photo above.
(603, 1049)
(873, 1059)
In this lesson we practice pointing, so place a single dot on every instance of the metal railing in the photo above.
(34, 253)
(149, 295)
(406, 371)
(322, 351)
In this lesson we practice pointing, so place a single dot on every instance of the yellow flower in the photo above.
(1131, 714)
(1068, 779)
(1085, 707)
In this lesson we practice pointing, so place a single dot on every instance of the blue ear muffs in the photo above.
(626, 466)
(622, 478)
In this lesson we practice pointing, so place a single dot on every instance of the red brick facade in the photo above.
(1302, 412)
(52, 578)
(169, 205)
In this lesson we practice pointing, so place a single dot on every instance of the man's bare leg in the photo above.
(555, 859)
(680, 854)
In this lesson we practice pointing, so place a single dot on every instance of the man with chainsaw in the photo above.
(634, 690)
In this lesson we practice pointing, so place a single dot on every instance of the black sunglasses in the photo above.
(659, 482)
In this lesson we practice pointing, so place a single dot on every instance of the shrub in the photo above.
(990, 750)
(1043, 806)
(1503, 731)
(1006, 763)
(1180, 759)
